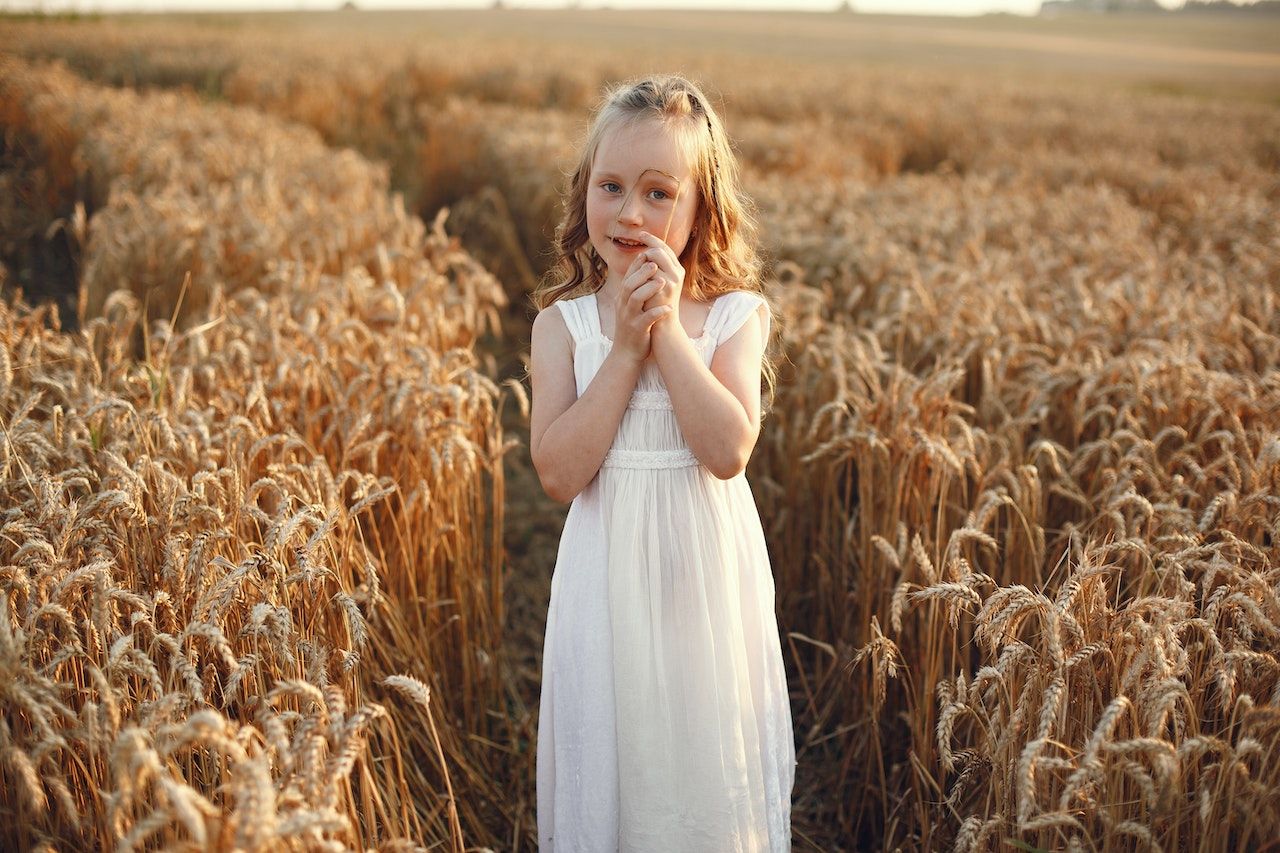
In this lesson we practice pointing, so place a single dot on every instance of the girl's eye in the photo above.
(610, 186)
(662, 195)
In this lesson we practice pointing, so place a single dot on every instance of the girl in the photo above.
(664, 718)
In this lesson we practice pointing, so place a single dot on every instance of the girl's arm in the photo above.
(717, 409)
(570, 435)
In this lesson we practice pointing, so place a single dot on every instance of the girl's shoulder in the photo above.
(551, 322)
(569, 305)
(563, 306)
(732, 302)
(567, 318)
(731, 309)
(742, 295)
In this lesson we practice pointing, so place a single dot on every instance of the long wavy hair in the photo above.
(721, 253)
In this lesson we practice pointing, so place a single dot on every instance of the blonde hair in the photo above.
(720, 256)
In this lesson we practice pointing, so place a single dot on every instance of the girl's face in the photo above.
(628, 192)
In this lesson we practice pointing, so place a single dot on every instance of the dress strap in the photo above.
(731, 310)
(591, 307)
(575, 313)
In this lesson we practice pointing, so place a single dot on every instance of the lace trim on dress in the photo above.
(651, 400)
(649, 459)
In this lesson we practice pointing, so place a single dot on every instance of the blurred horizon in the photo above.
(958, 8)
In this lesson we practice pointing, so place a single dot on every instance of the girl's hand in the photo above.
(668, 273)
(632, 321)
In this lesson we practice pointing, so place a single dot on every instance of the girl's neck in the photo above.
(611, 289)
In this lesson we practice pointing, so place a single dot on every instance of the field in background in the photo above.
(1020, 483)
(1212, 55)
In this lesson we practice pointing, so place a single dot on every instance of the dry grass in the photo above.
(1021, 479)
(220, 544)
(1050, 491)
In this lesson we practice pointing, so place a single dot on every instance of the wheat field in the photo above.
(274, 561)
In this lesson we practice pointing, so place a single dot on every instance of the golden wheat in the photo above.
(1028, 416)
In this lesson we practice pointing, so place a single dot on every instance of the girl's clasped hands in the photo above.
(650, 292)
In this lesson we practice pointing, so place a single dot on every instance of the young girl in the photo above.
(665, 723)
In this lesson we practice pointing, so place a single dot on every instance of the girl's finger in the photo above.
(636, 262)
(653, 315)
(641, 273)
(642, 294)
(645, 320)
(659, 252)
(631, 290)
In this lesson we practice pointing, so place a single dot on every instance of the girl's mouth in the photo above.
(626, 246)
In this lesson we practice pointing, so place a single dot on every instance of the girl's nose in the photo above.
(629, 212)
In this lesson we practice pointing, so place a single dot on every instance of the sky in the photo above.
(901, 7)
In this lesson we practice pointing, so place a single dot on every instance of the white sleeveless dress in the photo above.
(664, 723)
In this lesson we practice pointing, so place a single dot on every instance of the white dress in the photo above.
(664, 722)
